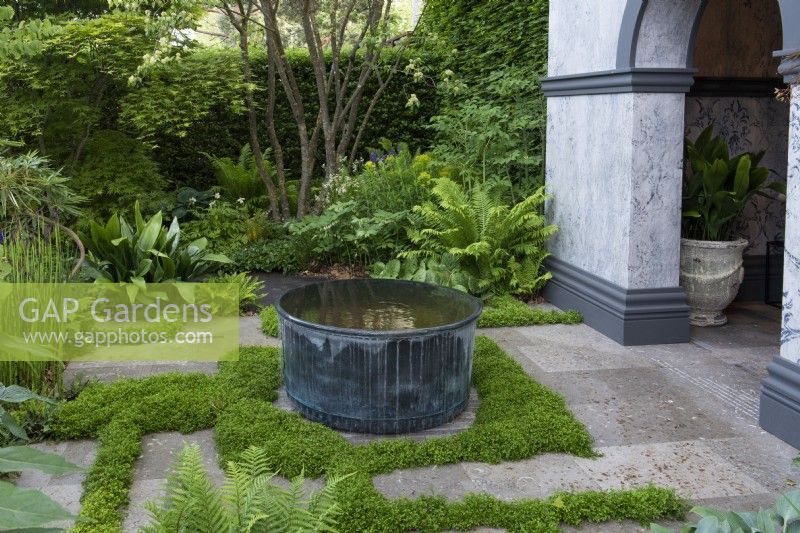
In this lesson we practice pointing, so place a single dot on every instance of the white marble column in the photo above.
(790, 332)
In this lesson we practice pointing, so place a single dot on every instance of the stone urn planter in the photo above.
(711, 273)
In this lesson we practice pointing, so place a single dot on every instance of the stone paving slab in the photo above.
(556, 357)
(108, 372)
(159, 452)
(693, 469)
(250, 333)
(64, 489)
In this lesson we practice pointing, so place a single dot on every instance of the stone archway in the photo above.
(618, 73)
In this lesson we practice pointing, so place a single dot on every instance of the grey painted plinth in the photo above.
(780, 401)
(631, 317)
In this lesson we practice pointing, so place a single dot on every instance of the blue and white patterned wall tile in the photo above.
(790, 332)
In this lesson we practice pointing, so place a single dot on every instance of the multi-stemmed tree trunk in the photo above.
(341, 83)
(240, 16)
(352, 33)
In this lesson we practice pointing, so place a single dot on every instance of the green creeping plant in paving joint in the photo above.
(517, 419)
(507, 311)
(269, 321)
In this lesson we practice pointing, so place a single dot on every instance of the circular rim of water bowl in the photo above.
(282, 313)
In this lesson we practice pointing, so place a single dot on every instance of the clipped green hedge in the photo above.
(489, 34)
(196, 105)
(517, 418)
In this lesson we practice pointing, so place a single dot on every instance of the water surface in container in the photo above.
(379, 305)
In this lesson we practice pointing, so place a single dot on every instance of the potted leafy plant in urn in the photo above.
(716, 189)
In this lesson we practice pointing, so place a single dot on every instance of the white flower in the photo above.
(192, 200)
(240, 200)
(217, 196)
(413, 101)
(211, 203)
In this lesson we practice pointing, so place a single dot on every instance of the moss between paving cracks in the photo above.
(517, 418)
(501, 312)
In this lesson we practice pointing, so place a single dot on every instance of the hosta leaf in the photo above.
(22, 508)
(149, 235)
(10, 424)
(24, 458)
(17, 394)
(788, 507)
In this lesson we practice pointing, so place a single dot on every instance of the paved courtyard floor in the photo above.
(681, 416)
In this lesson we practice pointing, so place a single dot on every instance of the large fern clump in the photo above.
(502, 246)
(240, 179)
(248, 502)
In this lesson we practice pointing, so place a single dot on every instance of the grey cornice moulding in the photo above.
(628, 80)
(628, 316)
(790, 66)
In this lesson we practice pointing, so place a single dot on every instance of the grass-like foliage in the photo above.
(501, 246)
(248, 501)
(517, 418)
(269, 321)
(499, 312)
(507, 311)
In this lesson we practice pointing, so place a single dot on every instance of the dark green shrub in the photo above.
(494, 133)
(115, 172)
(189, 202)
(487, 34)
(491, 119)
(221, 224)
(274, 255)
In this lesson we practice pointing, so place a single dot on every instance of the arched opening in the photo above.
(734, 91)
